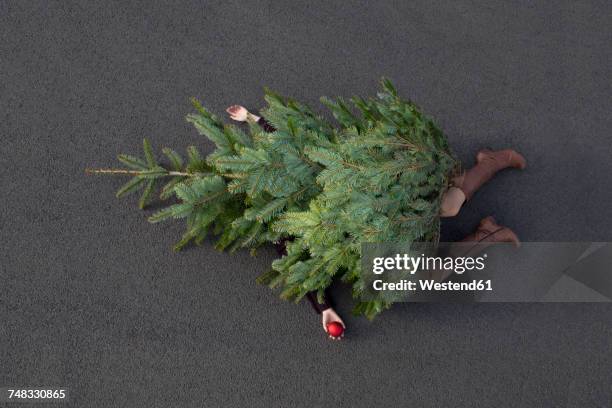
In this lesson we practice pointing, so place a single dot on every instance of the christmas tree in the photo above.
(377, 176)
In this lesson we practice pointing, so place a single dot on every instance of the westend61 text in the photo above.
(432, 285)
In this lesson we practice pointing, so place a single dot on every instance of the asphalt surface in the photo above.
(92, 298)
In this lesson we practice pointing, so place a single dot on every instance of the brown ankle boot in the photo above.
(488, 163)
(487, 234)
(490, 232)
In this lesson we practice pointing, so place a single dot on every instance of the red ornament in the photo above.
(335, 329)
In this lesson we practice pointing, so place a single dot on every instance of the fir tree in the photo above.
(383, 183)
(377, 177)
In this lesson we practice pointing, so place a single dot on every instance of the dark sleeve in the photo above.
(314, 302)
(265, 125)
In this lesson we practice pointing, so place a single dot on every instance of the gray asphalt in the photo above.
(92, 298)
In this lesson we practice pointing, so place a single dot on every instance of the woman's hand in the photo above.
(328, 316)
(241, 114)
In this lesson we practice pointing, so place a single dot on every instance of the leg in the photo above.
(465, 185)
(488, 163)
(487, 234)
(452, 201)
